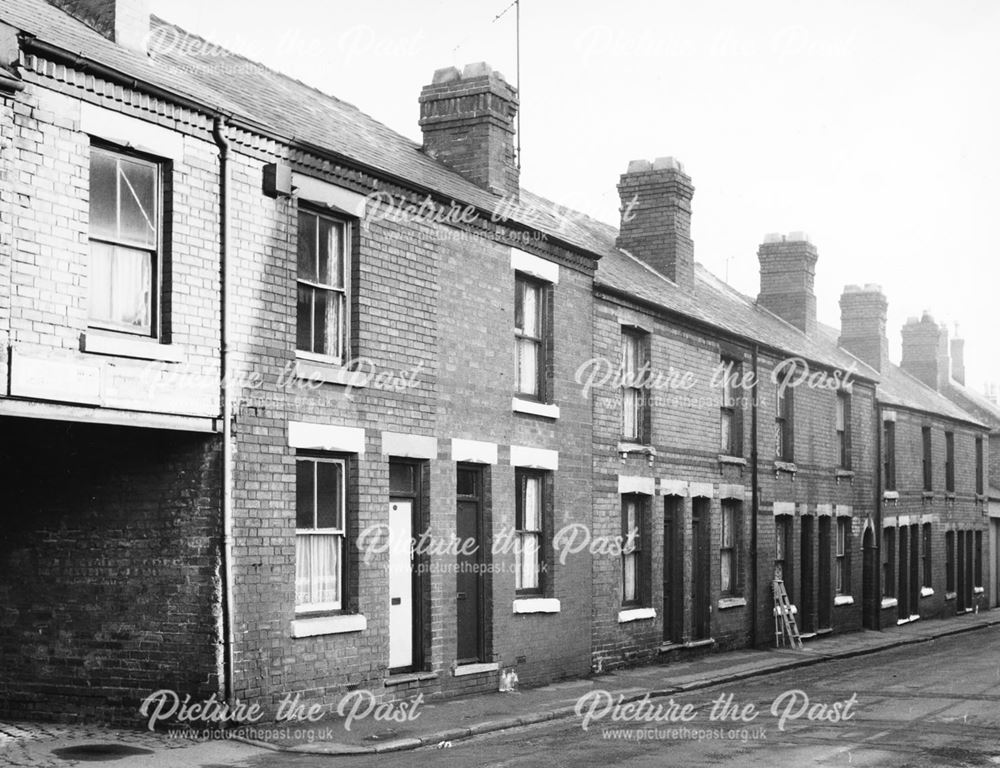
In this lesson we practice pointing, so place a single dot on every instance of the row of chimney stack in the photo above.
(468, 122)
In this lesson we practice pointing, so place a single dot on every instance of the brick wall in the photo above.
(109, 568)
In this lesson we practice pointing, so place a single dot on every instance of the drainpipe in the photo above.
(219, 129)
(755, 501)
(877, 576)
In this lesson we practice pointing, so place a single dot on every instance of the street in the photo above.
(933, 704)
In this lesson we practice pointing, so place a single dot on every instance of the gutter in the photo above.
(219, 129)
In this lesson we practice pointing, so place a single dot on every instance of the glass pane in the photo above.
(101, 262)
(726, 571)
(329, 494)
(331, 253)
(467, 482)
(779, 541)
(530, 310)
(304, 477)
(402, 478)
(727, 526)
(121, 285)
(527, 570)
(840, 414)
(103, 194)
(726, 430)
(532, 520)
(527, 366)
(519, 305)
(335, 324)
(629, 563)
(629, 357)
(321, 310)
(317, 570)
(137, 198)
(307, 246)
(629, 411)
(304, 319)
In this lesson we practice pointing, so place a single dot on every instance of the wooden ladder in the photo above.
(785, 628)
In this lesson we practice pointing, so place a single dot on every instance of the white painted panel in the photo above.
(400, 584)
(784, 508)
(409, 446)
(636, 484)
(326, 437)
(535, 458)
(319, 191)
(669, 487)
(131, 132)
(473, 451)
(534, 266)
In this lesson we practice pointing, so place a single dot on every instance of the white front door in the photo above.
(400, 584)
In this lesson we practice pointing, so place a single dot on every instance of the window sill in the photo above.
(785, 466)
(734, 460)
(406, 678)
(329, 625)
(125, 345)
(950, 595)
(700, 643)
(627, 446)
(536, 605)
(842, 474)
(635, 614)
(530, 407)
(926, 591)
(950, 496)
(978, 590)
(927, 495)
(474, 669)
(843, 600)
(731, 602)
(316, 369)
(889, 602)
(890, 495)
(913, 617)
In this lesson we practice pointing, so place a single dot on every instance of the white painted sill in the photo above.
(889, 602)
(329, 625)
(545, 410)
(636, 614)
(316, 368)
(978, 590)
(950, 595)
(123, 345)
(536, 605)
(926, 591)
(731, 602)
(475, 669)
(843, 600)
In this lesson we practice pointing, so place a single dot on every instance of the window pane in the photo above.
(304, 494)
(779, 541)
(121, 285)
(468, 482)
(529, 310)
(840, 414)
(726, 571)
(304, 318)
(317, 570)
(727, 526)
(532, 504)
(307, 246)
(330, 269)
(527, 557)
(726, 432)
(402, 478)
(137, 197)
(527, 366)
(329, 492)
(629, 358)
(629, 564)
(629, 409)
(103, 194)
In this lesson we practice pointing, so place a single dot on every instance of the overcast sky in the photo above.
(873, 126)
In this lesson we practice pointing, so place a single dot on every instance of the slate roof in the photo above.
(974, 402)
(236, 86)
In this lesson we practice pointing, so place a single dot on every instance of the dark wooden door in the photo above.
(869, 613)
(469, 580)
(808, 601)
(825, 607)
(700, 570)
(915, 579)
(960, 601)
(903, 592)
(673, 569)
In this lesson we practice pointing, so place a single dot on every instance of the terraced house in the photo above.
(294, 405)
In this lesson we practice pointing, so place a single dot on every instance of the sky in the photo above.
(873, 126)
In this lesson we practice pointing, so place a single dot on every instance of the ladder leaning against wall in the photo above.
(785, 629)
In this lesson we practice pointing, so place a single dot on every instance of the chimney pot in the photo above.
(639, 166)
(446, 75)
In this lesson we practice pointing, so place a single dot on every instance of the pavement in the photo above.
(442, 721)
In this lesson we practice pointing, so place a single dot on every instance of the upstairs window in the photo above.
(979, 465)
(731, 414)
(949, 461)
(843, 421)
(925, 435)
(889, 455)
(531, 331)
(784, 433)
(323, 256)
(635, 362)
(125, 242)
